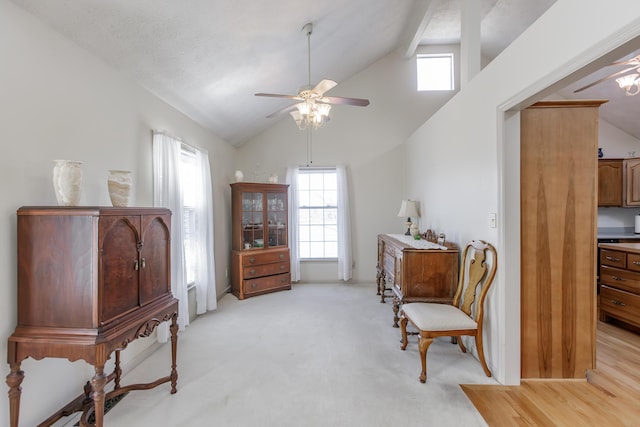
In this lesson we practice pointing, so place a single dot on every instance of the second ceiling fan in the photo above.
(313, 108)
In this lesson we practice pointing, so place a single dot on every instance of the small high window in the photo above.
(435, 72)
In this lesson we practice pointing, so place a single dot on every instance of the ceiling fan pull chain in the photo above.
(309, 53)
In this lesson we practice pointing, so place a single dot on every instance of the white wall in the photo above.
(60, 102)
(467, 147)
(367, 141)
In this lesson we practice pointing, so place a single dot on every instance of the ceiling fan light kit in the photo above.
(313, 109)
(628, 83)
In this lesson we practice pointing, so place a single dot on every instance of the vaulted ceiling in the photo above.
(208, 58)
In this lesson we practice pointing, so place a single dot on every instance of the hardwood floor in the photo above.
(609, 396)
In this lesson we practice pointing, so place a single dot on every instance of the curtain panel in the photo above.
(167, 193)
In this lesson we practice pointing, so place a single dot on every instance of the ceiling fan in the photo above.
(624, 80)
(313, 108)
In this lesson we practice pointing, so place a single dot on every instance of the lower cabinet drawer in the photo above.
(620, 304)
(265, 257)
(265, 270)
(267, 283)
(620, 279)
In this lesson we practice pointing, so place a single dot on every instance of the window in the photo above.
(188, 173)
(435, 72)
(318, 213)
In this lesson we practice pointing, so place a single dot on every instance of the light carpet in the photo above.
(318, 355)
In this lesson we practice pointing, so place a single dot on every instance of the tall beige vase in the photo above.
(67, 182)
(119, 183)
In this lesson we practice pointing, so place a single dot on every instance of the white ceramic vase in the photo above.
(67, 182)
(239, 176)
(119, 183)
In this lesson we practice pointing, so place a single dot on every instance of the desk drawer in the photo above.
(620, 279)
(265, 270)
(613, 258)
(269, 283)
(633, 262)
(620, 304)
(260, 257)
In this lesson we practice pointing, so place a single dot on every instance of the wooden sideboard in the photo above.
(620, 282)
(90, 281)
(415, 270)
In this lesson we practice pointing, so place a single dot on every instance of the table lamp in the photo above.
(409, 208)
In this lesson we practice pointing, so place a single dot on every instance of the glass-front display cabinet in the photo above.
(260, 251)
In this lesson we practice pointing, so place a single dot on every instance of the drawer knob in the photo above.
(284, 279)
(252, 272)
(254, 285)
(610, 258)
(636, 263)
(618, 278)
(281, 256)
(282, 267)
(618, 303)
(252, 260)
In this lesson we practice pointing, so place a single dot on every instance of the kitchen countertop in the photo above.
(629, 247)
(617, 233)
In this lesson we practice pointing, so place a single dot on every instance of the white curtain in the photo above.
(205, 280)
(294, 262)
(167, 194)
(345, 257)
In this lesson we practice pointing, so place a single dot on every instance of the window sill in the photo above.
(318, 259)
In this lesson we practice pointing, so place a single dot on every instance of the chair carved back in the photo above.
(475, 273)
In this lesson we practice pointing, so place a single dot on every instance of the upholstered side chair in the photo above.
(465, 315)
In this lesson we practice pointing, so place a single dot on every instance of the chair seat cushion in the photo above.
(437, 317)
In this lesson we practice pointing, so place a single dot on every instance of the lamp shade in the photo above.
(409, 208)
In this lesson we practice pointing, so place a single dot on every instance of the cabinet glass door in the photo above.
(277, 219)
(252, 221)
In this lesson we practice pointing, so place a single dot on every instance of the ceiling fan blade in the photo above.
(605, 78)
(634, 60)
(324, 86)
(344, 101)
(281, 111)
(276, 95)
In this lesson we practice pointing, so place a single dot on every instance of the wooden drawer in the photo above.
(268, 283)
(620, 304)
(613, 258)
(265, 270)
(620, 279)
(633, 262)
(263, 257)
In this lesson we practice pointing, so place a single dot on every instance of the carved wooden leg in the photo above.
(14, 379)
(378, 277)
(396, 309)
(423, 346)
(117, 371)
(382, 287)
(403, 328)
(98, 382)
(174, 350)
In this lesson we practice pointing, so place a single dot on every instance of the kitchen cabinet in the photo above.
(558, 188)
(610, 182)
(619, 182)
(631, 182)
(260, 250)
(620, 282)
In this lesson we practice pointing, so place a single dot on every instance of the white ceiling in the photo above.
(208, 58)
